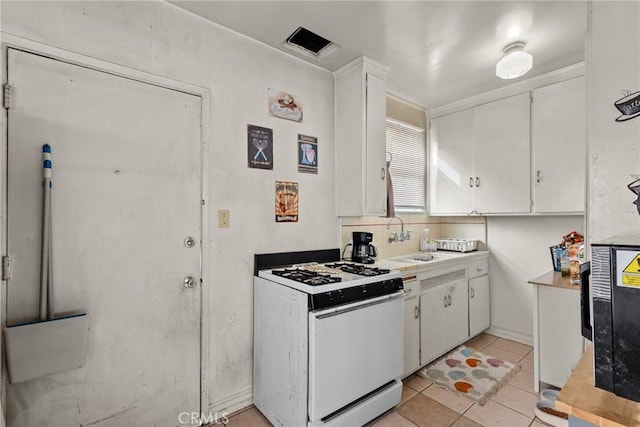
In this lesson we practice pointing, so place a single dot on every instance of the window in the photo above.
(406, 145)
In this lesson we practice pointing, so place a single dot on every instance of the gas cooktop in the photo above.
(327, 281)
(308, 277)
(315, 274)
(359, 269)
(315, 278)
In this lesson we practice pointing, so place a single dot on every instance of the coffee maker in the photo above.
(363, 251)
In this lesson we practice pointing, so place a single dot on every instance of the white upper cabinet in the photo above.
(451, 165)
(501, 155)
(559, 147)
(361, 138)
(480, 159)
(519, 155)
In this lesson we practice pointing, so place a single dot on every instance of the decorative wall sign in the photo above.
(307, 154)
(285, 105)
(259, 147)
(286, 201)
(629, 106)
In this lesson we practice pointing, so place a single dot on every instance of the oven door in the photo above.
(353, 350)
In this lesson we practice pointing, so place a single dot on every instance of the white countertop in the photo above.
(406, 264)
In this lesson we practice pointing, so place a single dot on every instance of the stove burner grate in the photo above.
(358, 269)
(301, 275)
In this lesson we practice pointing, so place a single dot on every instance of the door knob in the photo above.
(189, 242)
(189, 282)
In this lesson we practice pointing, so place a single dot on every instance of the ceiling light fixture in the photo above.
(515, 62)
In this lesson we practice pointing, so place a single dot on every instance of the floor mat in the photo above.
(469, 373)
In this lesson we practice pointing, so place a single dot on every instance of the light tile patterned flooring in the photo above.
(426, 405)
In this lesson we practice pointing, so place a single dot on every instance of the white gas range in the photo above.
(328, 339)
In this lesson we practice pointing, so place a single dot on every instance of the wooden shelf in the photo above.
(555, 279)
(580, 398)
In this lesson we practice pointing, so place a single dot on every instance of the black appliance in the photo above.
(610, 312)
(363, 251)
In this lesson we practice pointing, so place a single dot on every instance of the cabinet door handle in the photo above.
(417, 311)
(447, 300)
(450, 301)
(538, 176)
(477, 182)
(471, 181)
(382, 173)
(472, 292)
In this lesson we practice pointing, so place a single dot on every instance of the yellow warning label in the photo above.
(631, 280)
(634, 265)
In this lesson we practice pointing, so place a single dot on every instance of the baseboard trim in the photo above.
(233, 402)
(510, 334)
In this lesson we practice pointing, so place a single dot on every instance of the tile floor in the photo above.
(425, 405)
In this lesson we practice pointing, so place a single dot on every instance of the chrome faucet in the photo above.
(393, 237)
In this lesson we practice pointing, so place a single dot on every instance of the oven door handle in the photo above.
(358, 305)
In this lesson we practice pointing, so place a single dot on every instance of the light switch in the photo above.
(224, 218)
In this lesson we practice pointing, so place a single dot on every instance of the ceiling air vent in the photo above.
(310, 44)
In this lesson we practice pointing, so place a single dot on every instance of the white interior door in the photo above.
(127, 186)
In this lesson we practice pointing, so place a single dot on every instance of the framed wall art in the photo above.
(259, 147)
(286, 201)
(307, 154)
(285, 105)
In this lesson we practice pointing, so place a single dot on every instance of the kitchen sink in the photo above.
(421, 257)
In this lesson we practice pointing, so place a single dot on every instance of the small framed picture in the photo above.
(286, 201)
(307, 154)
(259, 147)
(285, 105)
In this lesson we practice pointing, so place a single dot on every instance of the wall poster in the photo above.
(285, 105)
(260, 147)
(307, 154)
(286, 201)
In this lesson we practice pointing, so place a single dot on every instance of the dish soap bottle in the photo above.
(424, 240)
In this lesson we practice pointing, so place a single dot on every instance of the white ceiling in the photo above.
(438, 51)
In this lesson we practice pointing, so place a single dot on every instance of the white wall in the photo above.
(162, 39)
(519, 252)
(613, 149)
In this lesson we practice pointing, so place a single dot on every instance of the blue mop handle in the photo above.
(46, 271)
(48, 165)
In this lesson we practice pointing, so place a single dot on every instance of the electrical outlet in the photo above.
(224, 218)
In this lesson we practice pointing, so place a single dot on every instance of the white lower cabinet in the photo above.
(433, 334)
(411, 334)
(558, 343)
(479, 305)
(444, 319)
(443, 308)
(479, 309)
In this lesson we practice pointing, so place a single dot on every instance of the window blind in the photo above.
(406, 144)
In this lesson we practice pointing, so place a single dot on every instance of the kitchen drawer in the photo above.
(443, 279)
(411, 285)
(479, 269)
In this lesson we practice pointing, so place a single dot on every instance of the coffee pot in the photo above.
(363, 251)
